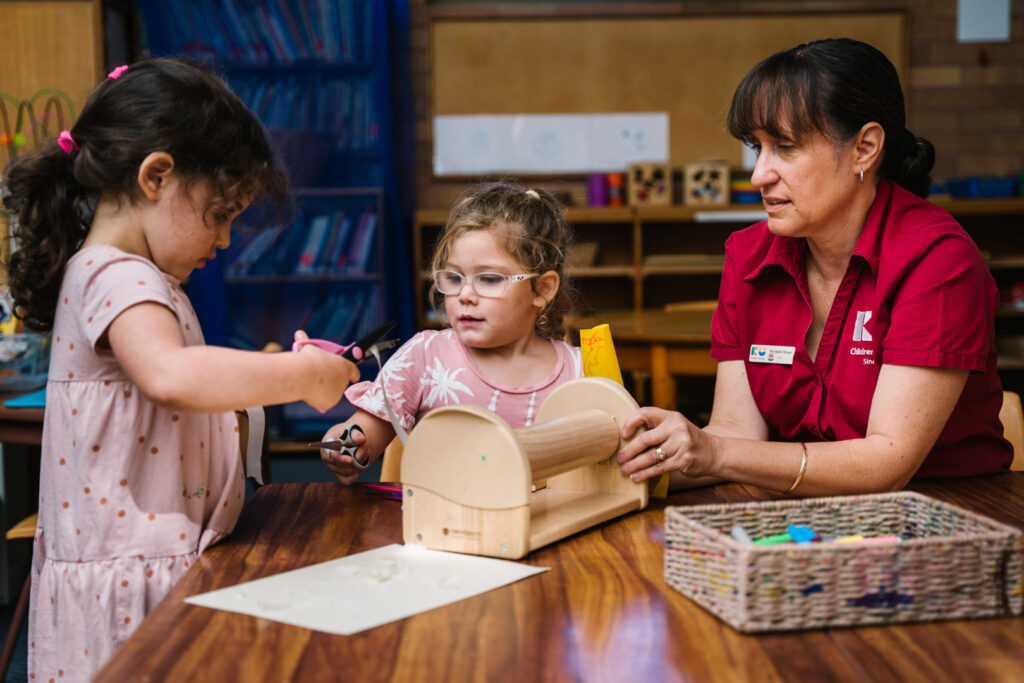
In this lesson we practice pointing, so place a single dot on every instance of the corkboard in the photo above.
(45, 48)
(48, 48)
(686, 66)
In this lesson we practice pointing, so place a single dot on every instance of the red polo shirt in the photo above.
(916, 292)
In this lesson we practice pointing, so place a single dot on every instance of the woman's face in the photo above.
(807, 186)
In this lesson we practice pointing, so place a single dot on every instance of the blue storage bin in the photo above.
(981, 186)
(24, 361)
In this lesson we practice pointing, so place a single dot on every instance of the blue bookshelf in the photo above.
(319, 75)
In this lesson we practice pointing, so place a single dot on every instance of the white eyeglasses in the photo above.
(490, 285)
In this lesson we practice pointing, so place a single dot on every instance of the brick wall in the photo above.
(968, 99)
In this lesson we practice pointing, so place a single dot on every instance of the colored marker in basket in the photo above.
(795, 533)
(867, 540)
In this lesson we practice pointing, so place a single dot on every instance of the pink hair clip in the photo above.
(66, 142)
(116, 73)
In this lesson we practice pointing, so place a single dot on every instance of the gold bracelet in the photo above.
(803, 468)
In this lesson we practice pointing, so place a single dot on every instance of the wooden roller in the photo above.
(472, 484)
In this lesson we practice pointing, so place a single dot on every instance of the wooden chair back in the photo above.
(1012, 417)
(391, 467)
(698, 305)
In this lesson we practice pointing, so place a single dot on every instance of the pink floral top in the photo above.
(130, 493)
(434, 369)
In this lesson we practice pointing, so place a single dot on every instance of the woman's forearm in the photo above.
(871, 464)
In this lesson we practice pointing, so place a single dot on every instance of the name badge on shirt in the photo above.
(780, 355)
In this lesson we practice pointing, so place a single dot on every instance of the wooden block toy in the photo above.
(468, 479)
(706, 182)
(650, 185)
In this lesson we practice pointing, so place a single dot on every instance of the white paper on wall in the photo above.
(982, 21)
(548, 143)
(358, 592)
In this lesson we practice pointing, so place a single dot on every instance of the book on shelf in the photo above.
(272, 32)
(308, 14)
(324, 264)
(316, 236)
(339, 241)
(252, 251)
(278, 40)
(338, 256)
(363, 242)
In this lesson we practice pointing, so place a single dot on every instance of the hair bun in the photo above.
(913, 163)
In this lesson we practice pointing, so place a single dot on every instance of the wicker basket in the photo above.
(950, 564)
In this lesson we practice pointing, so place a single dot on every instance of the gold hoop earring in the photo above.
(862, 175)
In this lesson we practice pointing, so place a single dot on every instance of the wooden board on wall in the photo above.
(54, 45)
(49, 45)
(686, 66)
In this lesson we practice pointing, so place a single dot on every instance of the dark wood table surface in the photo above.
(603, 612)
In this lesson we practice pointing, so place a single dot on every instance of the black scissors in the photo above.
(357, 351)
(345, 445)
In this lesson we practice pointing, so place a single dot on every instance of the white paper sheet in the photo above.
(983, 21)
(358, 592)
(548, 143)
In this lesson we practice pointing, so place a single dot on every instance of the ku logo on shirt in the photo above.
(859, 333)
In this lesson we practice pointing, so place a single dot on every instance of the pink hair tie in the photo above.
(116, 73)
(66, 142)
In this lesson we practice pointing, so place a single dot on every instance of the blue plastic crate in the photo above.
(981, 186)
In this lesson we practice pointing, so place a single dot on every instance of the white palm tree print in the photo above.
(444, 387)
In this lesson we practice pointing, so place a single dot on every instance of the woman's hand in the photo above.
(671, 443)
(331, 375)
(343, 466)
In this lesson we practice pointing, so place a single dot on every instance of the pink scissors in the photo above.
(357, 351)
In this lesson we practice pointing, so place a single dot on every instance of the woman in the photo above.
(854, 327)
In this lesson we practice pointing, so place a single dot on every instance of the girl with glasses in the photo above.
(500, 285)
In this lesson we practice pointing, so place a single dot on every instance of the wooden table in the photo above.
(603, 612)
(20, 425)
(663, 343)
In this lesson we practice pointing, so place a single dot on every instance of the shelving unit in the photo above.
(318, 75)
(623, 276)
(620, 277)
(322, 273)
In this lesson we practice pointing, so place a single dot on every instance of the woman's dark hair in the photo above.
(529, 225)
(157, 105)
(833, 87)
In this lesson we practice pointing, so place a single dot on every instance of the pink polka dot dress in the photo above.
(130, 493)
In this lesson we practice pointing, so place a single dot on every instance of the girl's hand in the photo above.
(342, 466)
(686, 448)
(331, 374)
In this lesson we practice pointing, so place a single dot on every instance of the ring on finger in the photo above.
(659, 454)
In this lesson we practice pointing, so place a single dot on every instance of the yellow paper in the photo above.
(660, 489)
(599, 359)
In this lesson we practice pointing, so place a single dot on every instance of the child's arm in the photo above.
(377, 434)
(148, 344)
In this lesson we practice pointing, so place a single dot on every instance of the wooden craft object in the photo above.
(468, 478)
(650, 185)
(706, 182)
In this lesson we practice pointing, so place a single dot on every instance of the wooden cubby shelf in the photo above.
(646, 257)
